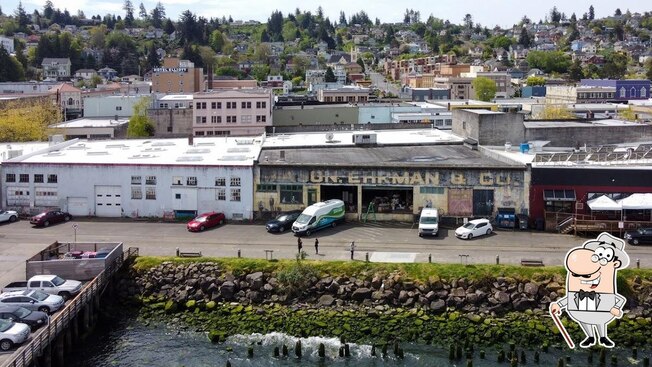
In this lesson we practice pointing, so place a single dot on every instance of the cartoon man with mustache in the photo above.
(591, 299)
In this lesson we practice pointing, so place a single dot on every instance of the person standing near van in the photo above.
(316, 246)
(299, 245)
(352, 249)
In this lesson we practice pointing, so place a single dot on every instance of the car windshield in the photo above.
(58, 281)
(200, 219)
(641, 231)
(469, 225)
(303, 219)
(428, 220)
(39, 296)
(22, 312)
(5, 325)
(282, 217)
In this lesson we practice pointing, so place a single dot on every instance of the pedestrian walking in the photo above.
(299, 245)
(316, 246)
(352, 249)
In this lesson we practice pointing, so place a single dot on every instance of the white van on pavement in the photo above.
(318, 216)
(429, 222)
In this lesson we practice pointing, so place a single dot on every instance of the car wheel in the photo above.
(635, 241)
(45, 309)
(488, 231)
(201, 229)
(308, 233)
(281, 229)
(221, 221)
(65, 295)
(66, 218)
(46, 223)
(334, 224)
(12, 219)
(420, 235)
(6, 344)
(470, 236)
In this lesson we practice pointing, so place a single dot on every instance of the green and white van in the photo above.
(319, 215)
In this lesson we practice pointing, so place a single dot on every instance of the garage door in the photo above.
(78, 207)
(108, 201)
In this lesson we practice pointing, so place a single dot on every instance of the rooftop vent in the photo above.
(238, 150)
(190, 158)
(163, 144)
(244, 141)
(205, 144)
(143, 156)
(97, 152)
(116, 146)
(198, 151)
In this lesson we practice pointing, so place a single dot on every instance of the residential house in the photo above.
(107, 73)
(343, 95)
(56, 68)
(85, 74)
(232, 112)
(69, 98)
(7, 43)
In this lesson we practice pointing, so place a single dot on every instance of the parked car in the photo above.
(8, 216)
(12, 333)
(282, 221)
(51, 284)
(33, 300)
(206, 220)
(642, 236)
(34, 319)
(50, 217)
(474, 228)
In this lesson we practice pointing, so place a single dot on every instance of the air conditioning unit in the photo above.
(364, 139)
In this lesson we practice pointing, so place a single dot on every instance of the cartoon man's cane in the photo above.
(563, 331)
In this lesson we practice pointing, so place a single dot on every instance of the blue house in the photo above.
(533, 91)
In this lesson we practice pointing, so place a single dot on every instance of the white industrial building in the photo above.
(135, 178)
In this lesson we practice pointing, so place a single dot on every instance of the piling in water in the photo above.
(373, 350)
(341, 351)
(347, 351)
(523, 358)
(400, 354)
(276, 352)
(544, 348)
(560, 362)
(614, 360)
(322, 350)
(395, 348)
(514, 362)
(603, 357)
(536, 356)
(512, 346)
(635, 353)
(469, 363)
(458, 352)
(285, 350)
(297, 349)
(250, 352)
(451, 352)
(501, 356)
(469, 354)
(228, 363)
(384, 351)
(646, 361)
(482, 354)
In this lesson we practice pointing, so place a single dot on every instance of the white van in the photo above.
(428, 222)
(318, 216)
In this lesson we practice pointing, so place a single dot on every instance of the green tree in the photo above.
(289, 31)
(157, 15)
(329, 77)
(524, 39)
(139, 124)
(152, 57)
(615, 66)
(260, 72)
(591, 13)
(22, 18)
(27, 120)
(535, 80)
(557, 112)
(549, 61)
(485, 88)
(128, 7)
(361, 63)
(575, 72)
(648, 64)
(10, 69)
(216, 41)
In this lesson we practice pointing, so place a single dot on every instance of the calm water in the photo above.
(129, 342)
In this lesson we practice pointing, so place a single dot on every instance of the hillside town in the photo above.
(140, 115)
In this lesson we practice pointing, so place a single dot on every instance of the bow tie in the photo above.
(584, 294)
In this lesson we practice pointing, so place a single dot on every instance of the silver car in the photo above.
(33, 300)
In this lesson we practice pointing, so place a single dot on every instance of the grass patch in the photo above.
(414, 271)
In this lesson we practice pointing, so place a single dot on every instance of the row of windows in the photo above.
(149, 180)
(211, 133)
(24, 177)
(229, 119)
(229, 105)
(150, 194)
(190, 181)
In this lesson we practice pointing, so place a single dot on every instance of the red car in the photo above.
(205, 220)
(50, 217)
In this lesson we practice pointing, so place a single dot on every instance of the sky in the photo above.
(489, 13)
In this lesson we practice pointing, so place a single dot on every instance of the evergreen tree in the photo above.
(575, 72)
(524, 39)
(152, 57)
(157, 15)
(48, 9)
(142, 14)
(648, 73)
(555, 15)
(168, 28)
(342, 18)
(22, 18)
(591, 13)
(361, 63)
(329, 77)
(128, 7)
(10, 69)
(618, 13)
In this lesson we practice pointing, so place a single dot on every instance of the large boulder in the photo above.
(326, 300)
(256, 280)
(227, 290)
(531, 288)
(502, 297)
(361, 294)
(438, 305)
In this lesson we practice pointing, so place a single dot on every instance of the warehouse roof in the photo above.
(217, 151)
(430, 156)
